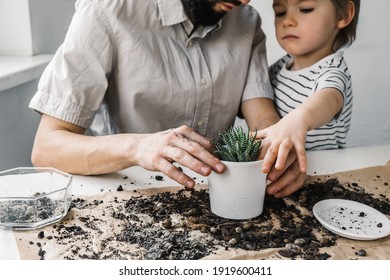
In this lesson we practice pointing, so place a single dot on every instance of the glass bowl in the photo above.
(32, 198)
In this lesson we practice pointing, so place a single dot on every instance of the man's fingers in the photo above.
(178, 148)
(192, 135)
(159, 151)
(181, 156)
(175, 173)
(193, 154)
(291, 187)
(274, 173)
(290, 181)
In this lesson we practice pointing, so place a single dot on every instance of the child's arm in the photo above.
(290, 132)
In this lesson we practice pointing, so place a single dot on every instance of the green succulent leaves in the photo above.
(237, 145)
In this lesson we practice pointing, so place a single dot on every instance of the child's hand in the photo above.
(287, 180)
(279, 139)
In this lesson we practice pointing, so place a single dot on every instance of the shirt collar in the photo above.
(171, 12)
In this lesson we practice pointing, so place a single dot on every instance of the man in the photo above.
(162, 76)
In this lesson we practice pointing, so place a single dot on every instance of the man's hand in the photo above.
(287, 180)
(158, 152)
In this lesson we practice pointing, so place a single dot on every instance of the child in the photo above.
(312, 83)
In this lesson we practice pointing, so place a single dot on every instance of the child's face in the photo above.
(305, 27)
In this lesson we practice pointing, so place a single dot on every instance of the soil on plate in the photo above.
(180, 225)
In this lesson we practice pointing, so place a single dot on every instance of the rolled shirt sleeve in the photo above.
(73, 85)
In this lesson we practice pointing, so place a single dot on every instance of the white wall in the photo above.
(30, 27)
(17, 39)
(368, 60)
(49, 21)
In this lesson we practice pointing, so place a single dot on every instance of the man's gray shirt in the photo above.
(139, 67)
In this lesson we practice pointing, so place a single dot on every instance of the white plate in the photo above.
(352, 219)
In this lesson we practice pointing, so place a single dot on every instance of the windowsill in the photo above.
(17, 70)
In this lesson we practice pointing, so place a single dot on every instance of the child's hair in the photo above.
(347, 35)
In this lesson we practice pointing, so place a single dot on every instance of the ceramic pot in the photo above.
(239, 192)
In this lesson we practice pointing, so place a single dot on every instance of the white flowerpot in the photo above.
(239, 192)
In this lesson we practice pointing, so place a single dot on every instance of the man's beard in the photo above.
(201, 12)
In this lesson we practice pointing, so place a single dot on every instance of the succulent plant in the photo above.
(237, 145)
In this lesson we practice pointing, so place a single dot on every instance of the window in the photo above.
(27, 41)
(15, 28)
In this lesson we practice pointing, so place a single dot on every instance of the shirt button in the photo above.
(190, 43)
(203, 81)
(200, 123)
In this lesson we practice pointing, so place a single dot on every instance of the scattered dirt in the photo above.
(180, 225)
